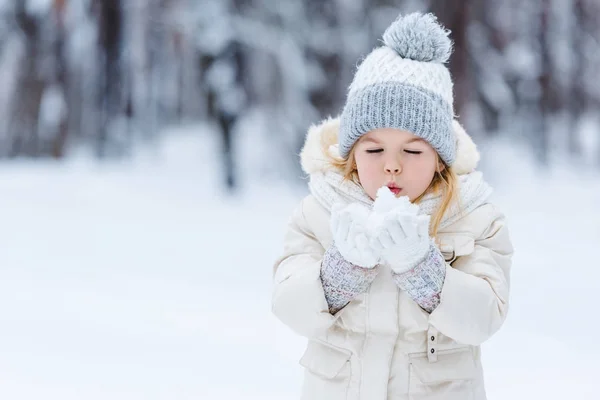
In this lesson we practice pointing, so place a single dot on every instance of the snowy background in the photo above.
(140, 280)
(146, 178)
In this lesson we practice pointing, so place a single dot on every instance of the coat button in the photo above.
(432, 351)
(432, 338)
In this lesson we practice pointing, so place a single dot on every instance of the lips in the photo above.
(394, 188)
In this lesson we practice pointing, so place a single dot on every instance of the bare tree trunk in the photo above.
(455, 15)
(490, 40)
(577, 98)
(59, 143)
(110, 99)
(325, 98)
(228, 117)
(593, 99)
(31, 87)
(544, 81)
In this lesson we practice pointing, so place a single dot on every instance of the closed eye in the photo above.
(412, 151)
(374, 151)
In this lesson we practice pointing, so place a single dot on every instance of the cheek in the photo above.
(366, 166)
(369, 172)
(423, 171)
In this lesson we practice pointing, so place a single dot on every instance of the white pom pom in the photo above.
(419, 37)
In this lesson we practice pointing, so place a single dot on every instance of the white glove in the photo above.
(349, 230)
(402, 238)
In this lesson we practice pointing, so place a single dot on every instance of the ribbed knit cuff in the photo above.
(425, 281)
(343, 281)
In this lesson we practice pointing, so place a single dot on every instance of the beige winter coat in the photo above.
(382, 345)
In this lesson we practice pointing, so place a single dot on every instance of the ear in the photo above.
(441, 166)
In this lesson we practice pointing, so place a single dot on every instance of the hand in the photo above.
(402, 239)
(349, 230)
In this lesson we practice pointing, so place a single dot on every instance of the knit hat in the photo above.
(404, 84)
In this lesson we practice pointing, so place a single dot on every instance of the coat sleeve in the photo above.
(474, 298)
(298, 298)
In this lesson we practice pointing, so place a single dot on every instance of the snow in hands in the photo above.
(392, 229)
(397, 232)
(387, 205)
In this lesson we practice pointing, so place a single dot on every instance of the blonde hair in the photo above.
(444, 182)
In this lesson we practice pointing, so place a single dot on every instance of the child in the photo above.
(396, 266)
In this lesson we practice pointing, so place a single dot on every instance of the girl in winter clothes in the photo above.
(396, 266)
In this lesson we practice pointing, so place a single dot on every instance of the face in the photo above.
(397, 159)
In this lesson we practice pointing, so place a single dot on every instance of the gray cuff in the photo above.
(343, 281)
(424, 282)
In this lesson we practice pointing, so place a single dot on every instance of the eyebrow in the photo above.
(369, 139)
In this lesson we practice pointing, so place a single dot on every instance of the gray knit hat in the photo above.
(404, 84)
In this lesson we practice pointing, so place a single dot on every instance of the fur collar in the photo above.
(322, 139)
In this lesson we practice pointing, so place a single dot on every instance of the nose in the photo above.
(392, 166)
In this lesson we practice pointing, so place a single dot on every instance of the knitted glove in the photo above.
(349, 230)
(347, 269)
(425, 281)
(402, 238)
(342, 281)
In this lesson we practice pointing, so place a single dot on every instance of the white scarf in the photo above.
(329, 188)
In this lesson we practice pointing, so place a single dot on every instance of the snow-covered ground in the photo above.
(141, 280)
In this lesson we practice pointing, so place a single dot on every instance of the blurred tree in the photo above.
(111, 97)
(486, 47)
(61, 81)
(455, 15)
(28, 97)
(584, 99)
(227, 100)
(325, 55)
(543, 100)
(108, 73)
(222, 69)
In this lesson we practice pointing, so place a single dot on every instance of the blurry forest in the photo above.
(107, 75)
